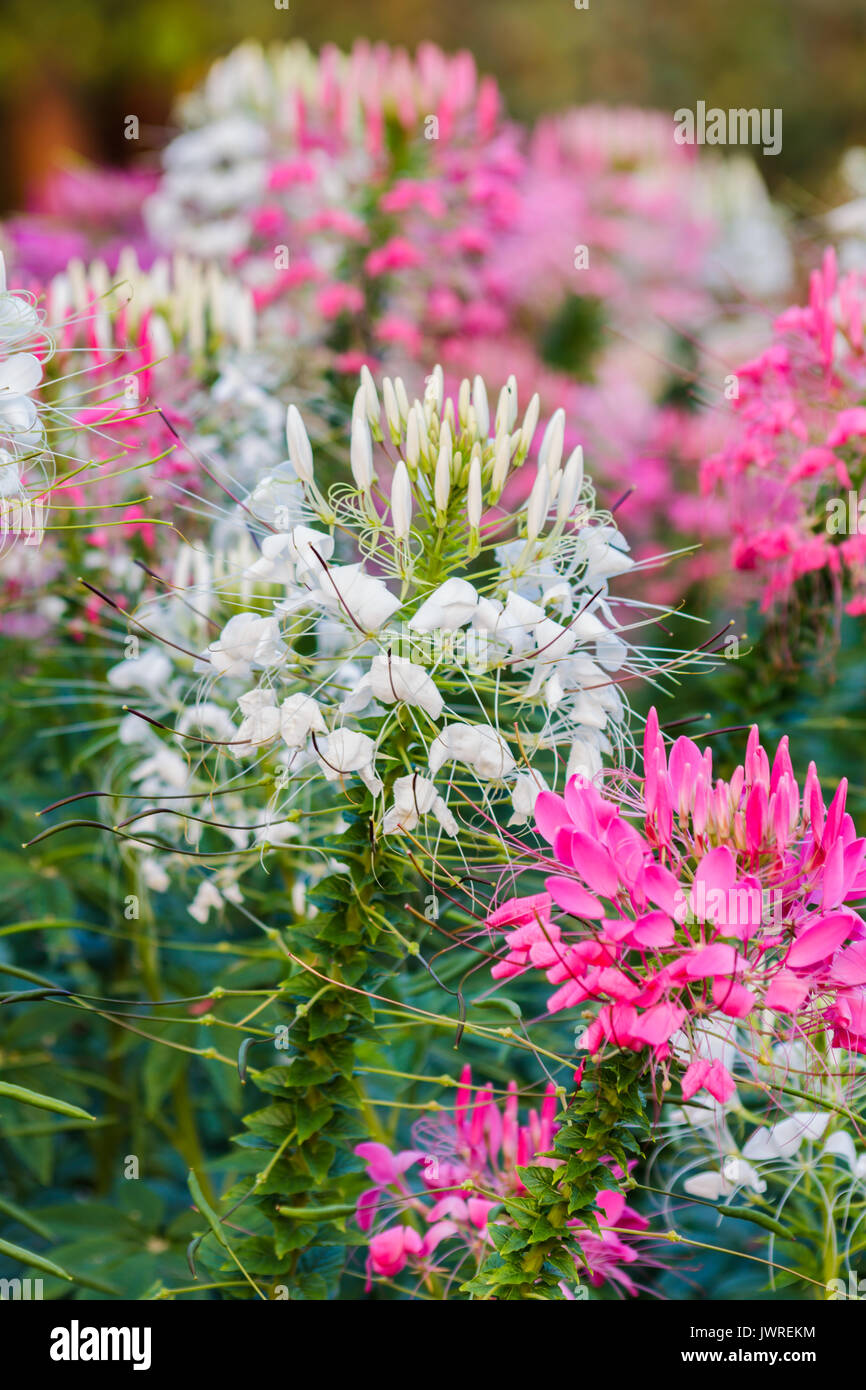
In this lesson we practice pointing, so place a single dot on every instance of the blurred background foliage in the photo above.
(70, 73)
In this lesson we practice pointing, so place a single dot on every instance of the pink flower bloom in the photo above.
(731, 899)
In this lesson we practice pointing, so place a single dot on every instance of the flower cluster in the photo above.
(441, 1196)
(791, 471)
(387, 642)
(731, 909)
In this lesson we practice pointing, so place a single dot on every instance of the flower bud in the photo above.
(300, 449)
(361, 454)
(572, 482)
(401, 501)
(506, 409)
(473, 499)
(392, 410)
(550, 453)
(481, 407)
(501, 460)
(536, 507)
(530, 421)
(442, 481)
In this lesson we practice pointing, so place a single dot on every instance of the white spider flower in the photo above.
(527, 787)
(414, 797)
(149, 671)
(300, 715)
(206, 898)
(261, 722)
(449, 607)
(349, 591)
(287, 556)
(478, 746)
(247, 640)
(345, 751)
(395, 678)
(19, 376)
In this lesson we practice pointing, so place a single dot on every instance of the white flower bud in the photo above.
(361, 454)
(371, 394)
(392, 410)
(550, 453)
(481, 407)
(536, 507)
(572, 481)
(442, 481)
(463, 399)
(435, 391)
(413, 444)
(402, 398)
(530, 421)
(473, 499)
(401, 501)
(300, 449)
(506, 409)
(501, 460)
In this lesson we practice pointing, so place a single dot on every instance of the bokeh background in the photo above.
(70, 73)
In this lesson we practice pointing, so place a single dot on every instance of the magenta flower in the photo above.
(789, 473)
(730, 902)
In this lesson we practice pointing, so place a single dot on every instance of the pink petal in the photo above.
(568, 894)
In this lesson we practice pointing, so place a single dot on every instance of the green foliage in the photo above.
(599, 1137)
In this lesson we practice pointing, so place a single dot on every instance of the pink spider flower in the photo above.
(790, 470)
(687, 901)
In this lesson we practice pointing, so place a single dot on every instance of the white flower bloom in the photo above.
(585, 756)
(261, 721)
(447, 608)
(245, 641)
(346, 750)
(207, 896)
(153, 874)
(300, 716)
(210, 720)
(150, 671)
(606, 554)
(164, 769)
(287, 556)
(479, 746)
(784, 1139)
(349, 587)
(708, 1186)
(394, 678)
(19, 375)
(841, 1145)
(414, 797)
(527, 787)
